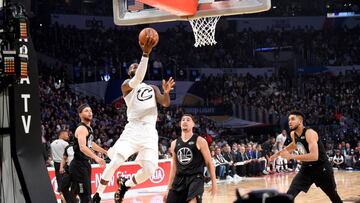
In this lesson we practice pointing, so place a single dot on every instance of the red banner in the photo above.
(159, 178)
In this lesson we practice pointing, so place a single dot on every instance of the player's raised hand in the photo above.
(168, 85)
(148, 38)
(148, 45)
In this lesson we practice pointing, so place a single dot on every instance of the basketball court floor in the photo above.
(348, 184)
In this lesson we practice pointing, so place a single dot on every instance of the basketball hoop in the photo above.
(204, 30)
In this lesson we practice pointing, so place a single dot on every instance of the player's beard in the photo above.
(132, 74)
(295, 128)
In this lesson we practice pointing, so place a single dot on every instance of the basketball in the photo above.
(148, 32)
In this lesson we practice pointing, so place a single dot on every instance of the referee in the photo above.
(57, 150)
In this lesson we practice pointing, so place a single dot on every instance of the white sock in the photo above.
(286, 164)
(101, 189)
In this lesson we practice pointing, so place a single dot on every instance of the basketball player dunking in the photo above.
(140, 134)
(190, 155)
(315, 165)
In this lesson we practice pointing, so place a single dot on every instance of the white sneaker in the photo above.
(229, 179)
(237, 178)
(265, 172)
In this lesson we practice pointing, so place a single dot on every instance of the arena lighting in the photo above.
(266, 49)
(261, 49)
(341, 14)
(105, 77)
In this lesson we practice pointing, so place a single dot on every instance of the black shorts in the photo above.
(321, 175)
(80, 173)
(186, 188)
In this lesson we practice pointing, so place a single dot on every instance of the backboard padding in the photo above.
(122, 15)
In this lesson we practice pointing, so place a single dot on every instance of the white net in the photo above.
(204, 30)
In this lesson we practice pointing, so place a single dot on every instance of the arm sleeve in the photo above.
(140, 73)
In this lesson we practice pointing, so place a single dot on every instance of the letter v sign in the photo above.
(26, 123)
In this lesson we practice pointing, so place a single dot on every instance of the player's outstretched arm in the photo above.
(164, 99)
(290, 148)
(99, 149)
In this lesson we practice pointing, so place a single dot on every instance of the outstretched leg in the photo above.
(109, 172)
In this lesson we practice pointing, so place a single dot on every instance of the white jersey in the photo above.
(141, 104)
(280, 139)
(57, 149)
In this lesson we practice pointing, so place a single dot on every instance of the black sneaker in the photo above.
(96, 198)
(120, 193)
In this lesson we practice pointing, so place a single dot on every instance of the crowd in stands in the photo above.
(89, 54)
(93, 7)
(330, 102)
(344, 156)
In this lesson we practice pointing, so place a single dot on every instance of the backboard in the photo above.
(133, 12)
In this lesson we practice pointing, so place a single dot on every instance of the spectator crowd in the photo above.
(111, 51)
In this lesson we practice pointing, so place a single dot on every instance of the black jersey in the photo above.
(303, 148)
(78, 154)
(189, 160)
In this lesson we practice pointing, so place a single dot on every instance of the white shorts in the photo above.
(137, 137)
